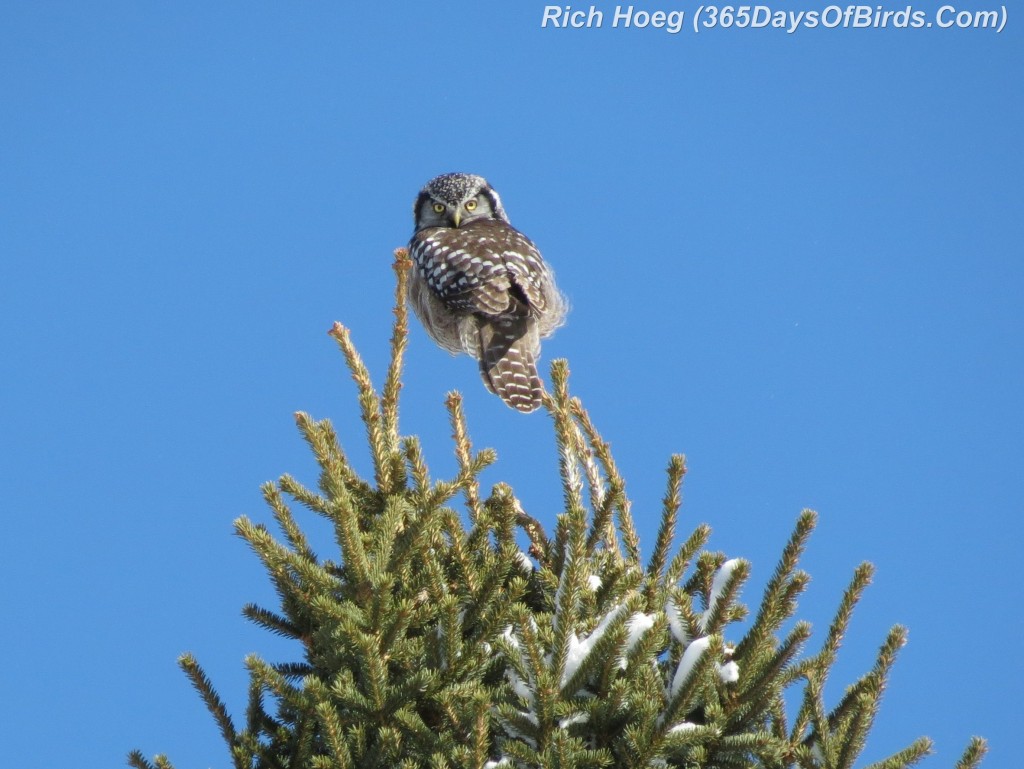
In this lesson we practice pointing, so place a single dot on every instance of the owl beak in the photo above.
(457, 216)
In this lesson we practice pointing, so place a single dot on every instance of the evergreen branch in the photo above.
(861, 579)
(812, 713)
(785, 585)
(894, 641)
(478, 538)
(435, 578)
(280, 562)
(301, 752)
(503, 512)
(277, 684)
(851, 732)
(294, 670)
(699, 583)
(681, 560)
(683, 620)
(770, 659)
(286, 521)
(370, 407)
(542, 676)
(778, 722)
(489, 613)
(464, 454)
(499, 594)
(449, 631)
(256, 717)
(637, 662)
(441, 493)
(572, 484)
(601, 501)
(735, 749)
(415, 728)
(418, 466)
(816, 668)
(855, 714)
(909, 756)
(331, 726)
(214, 704)
(721, 596)
(803, 722)
(605, 651)
(602, 530)
(399, 341)
(481, 735)
(519, 752)
(385, 532)
(539, 544)
(788, 649)
(872, 683)
(336, 472)
(971, 758)
(306, 497)
(666, 531)
(598, 492)
(139, 761)
(267, 619)
(567, 597)
(519, 669)
(349, 537)
(616, 483)
(418, 539)
(684, 745)
(761, 683)
(306, 588)
(690, 678)
(460, 562)
(357, 740)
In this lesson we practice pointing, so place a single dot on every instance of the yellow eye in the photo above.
(438, 208)
(470, 205)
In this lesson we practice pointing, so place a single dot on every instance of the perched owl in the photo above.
(481, 287)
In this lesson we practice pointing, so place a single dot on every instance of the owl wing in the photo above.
(486, 267)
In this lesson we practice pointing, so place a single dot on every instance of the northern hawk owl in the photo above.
(481, 287)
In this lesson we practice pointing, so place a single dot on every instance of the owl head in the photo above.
(455, 200)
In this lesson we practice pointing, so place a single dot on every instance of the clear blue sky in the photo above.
(795, 258)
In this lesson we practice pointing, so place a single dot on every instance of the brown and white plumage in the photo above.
(481, 287)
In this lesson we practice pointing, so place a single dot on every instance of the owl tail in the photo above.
(508, 362)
